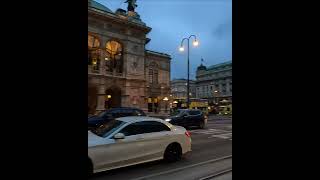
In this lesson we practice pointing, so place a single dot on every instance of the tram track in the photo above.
(217, 174)
(186, 168)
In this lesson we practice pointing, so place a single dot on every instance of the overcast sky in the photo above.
(172, 20)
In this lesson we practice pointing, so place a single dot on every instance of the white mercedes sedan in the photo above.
(133, 140)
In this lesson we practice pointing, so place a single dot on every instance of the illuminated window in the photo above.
(114, 60)
(93, 54)
(93, 42)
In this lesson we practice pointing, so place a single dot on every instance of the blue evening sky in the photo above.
(172, 20)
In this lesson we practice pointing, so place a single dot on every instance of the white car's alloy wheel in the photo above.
(173, 152)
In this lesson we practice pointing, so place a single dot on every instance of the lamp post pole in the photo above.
(188, 81)
(195, 43)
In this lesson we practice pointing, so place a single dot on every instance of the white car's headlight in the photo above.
(167, 120)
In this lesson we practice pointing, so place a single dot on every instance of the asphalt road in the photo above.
(211, 154)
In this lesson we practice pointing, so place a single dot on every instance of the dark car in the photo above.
(187, 118)
(105, 116)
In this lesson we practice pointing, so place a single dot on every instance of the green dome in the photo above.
(99, 6)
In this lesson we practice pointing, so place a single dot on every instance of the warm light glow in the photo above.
(195, 43)
(175, 102)
(165, 99)
(170, 94)
(109, 96)
(215, 91)
(181, 48)
(113, 48)
(106, 59)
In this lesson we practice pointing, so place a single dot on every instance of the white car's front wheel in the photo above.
(173, 152)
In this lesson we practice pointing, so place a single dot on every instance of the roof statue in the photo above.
(131, 5)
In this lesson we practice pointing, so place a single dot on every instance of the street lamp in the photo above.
(166, 104)
(215, 96)
(195, 43)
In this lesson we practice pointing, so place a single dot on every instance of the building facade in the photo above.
(179, 88)
(215, 82)
(157, 71)
(121, 72)
(178, 96)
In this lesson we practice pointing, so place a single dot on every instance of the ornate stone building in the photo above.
(179, 89)
(121, 72)
(215, 82)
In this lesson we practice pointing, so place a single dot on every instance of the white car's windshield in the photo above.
(108, 128)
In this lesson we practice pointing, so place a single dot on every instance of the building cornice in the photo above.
(118, 19)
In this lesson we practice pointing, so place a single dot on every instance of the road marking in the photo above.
(222, 136)
(182, 168)
(215, 133)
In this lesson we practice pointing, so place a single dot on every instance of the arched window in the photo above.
(93, 54)
(93, 42)
(114, 60)
(153, 73)
(155, 76)
(150, 75)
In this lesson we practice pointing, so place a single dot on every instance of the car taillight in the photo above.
(188, 134)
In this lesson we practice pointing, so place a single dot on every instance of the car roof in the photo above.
(138, 118)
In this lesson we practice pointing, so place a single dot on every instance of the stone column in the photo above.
(142, 98)
(101, 98)
(102, 63)
(125, 101)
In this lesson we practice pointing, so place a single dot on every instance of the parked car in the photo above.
(133, 140)
(105, 116)
(187, 118)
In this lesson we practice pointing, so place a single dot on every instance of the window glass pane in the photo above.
(114, 56)
(151, 76)
(107, 128)
(153, 126)
(93, 42)
(132, 129)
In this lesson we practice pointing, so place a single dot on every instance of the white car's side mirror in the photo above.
(119, 136)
